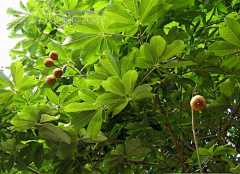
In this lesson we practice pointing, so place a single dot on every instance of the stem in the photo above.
(196, 142)
(59, 62)
(170, 131)
(147, 75)
(33, 171)
(74, 76)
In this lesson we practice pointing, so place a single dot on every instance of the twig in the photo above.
(33, 171)
(196, 142)
(170, 130)
(141, 163)
(74, 76)
(147, 75)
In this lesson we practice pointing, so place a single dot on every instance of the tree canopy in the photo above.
(119, 101)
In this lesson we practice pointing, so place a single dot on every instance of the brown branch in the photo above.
(160, 108)
(33, 171)
(142, 163)
(74, 76)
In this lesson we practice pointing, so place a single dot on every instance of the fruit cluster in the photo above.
(57, 73)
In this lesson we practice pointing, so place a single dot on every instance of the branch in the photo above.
(74, 76)
(142, 163)
(235, 112)
(33, 171)
(160, 108)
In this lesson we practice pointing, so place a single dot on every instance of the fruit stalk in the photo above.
(196, 141)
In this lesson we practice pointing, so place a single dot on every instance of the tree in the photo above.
(122, 105)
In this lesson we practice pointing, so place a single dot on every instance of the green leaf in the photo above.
(127, 63)
(132, 5)
(5, 95)
(96, 79)
(107, 99)
(81, 120)
(48, 118)
(71, 4)
(17, 21)
(131, 145)
(100, 5)
(55, 46)
(39, 157)
(119, 108)
(85, 138)
(129, 81)
(158, 45)
(171, 50)
(236, 169)
(95, 125)
(27, 82)
(113, 161)
(17, 73)
(4, 80)
(9, 145)
(85, 27)
(139, 151)
(21, 164)
(142, 61)
(141, 92)
(156, 12)
(114, 85)
(87, 95)
(223, 48)
(77, 107)
(228, 88)
(222, 7)
(89, 51)
(231, 33)
(145, 7)
(110, 63)
(64, 93)
(78, 40)
(48, 131)
(148, 54)
(52, 97)
(177, 64)
(117, 13)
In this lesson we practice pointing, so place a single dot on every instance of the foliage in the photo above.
(122, 105)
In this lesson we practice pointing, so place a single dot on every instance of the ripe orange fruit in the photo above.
(53, 55)
(198, 103)
(51, 80)
(58, 72)
(48, 62)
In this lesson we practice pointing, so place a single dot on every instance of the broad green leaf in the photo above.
(107, 99)
(117, 13)
(139, 151)
(89, 51)
(158, 45)
(236, 169)
(127, 63)
(132, 5)
(77, 107)
(78, 40)
(156, 12)
(171, 50)
(141, 92)
(52, 97)
(223, 48)
(222, 7)
(56, 46)
(118, 151)
(96, 79)
(145, 7)
(81, 120)
(85, 27)
(114, 85)
(64, 93)
(95, 125)
(142, 61)
(5, 95)
(119, 108)
(71, 4)
(17, 73)
(148, 54)
(23, 121)
(100, 5)
(9, 145)
(177, 4)
(129, 81)
(17, 21)
(48, 131)
(47, 118)
(87, 95)
(39, 157)
(231, 32)
(62, 153)
(131, 145)
(27, 82)
(113, 161)
(228, 88)
(177, 64)
(100, 138)
(110, 63)
(4, 80)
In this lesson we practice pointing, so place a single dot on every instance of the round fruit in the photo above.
(51, 80)
(53, 55)
(198, 103)
(58, 72)
(48, 62)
